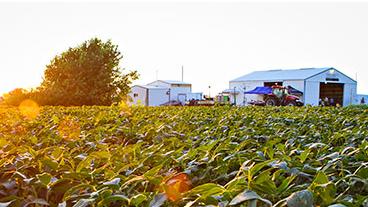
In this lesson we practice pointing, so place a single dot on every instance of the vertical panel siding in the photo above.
(141, 98)
(311, 93)
(350, 92)
(158, 97)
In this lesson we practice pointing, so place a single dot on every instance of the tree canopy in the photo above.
(88, 74)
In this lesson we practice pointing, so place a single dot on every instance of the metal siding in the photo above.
(249, 85)
(141, 98)
(322, 77)
(350, 92)
(195, 96)
(175, 91)
(158, 97)
(311, 93)
(160, 83)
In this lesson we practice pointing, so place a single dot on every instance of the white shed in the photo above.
(148, 95)
(315, 83)
(179, 90)
(162, 91)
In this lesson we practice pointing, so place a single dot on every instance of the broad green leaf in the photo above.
(3, 142)
(285, 184)
(152, 172)
(84, 164)
(74, 189)
(44, 178)
(302, 198)
(257, 167)
(248, 196)
(207, 190)
(101, 154)
(321, 178)
(304, 155)
(137, 199)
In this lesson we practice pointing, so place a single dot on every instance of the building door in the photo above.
(333, 92)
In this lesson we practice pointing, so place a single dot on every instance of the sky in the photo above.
(215, 41)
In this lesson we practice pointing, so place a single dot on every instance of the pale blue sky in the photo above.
(215, 41)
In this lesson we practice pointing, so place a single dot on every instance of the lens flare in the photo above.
(176, 185)
(29, 109)
(69, 129)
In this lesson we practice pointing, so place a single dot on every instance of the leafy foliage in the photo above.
(15, 97)
(251, 156)
(88, 74)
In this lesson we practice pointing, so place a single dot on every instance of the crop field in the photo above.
(184, 156)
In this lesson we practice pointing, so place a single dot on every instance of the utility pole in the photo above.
(209, 91)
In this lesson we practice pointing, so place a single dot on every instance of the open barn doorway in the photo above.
(331, 93)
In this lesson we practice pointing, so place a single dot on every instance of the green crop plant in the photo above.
(120, 156)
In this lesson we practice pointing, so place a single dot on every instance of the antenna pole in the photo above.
(182, 73)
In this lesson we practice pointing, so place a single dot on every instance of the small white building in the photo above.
(314, 83)
(361, 99)
(162, 91)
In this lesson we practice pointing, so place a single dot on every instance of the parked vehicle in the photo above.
(172, 103)
(275, 96)
(200, 103)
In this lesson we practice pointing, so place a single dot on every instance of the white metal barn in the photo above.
(162, 91)
(315, 83)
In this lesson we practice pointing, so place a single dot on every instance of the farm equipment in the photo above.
(275, 96)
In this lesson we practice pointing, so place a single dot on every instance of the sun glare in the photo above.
(29, 108)
(176, 186)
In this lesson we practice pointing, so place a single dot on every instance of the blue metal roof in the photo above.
(276, 75)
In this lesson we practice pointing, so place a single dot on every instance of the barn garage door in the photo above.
(332, 90)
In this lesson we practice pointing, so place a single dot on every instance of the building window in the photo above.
(135, 95)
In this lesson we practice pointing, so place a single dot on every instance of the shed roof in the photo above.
(174, 82)
(151, 87)
(279, 74)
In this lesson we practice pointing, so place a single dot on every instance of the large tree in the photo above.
(88, 74)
